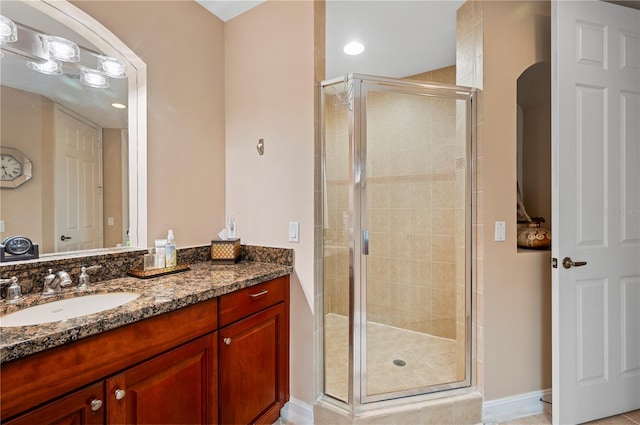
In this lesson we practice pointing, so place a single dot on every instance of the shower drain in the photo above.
(399, 362)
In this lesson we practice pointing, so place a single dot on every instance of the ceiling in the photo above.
(401, 37)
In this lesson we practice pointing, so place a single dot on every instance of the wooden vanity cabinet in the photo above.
(223, 360)
(254, 353)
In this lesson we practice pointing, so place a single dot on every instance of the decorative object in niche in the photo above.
(530, 234)
(534, 237)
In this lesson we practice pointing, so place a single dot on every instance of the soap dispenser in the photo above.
(171, 256)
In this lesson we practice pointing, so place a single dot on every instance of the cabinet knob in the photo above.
(227, 341)
(120, 393)
(96, 404)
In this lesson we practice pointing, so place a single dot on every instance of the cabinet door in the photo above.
(253, 368)
(178, 387)
(83, 407)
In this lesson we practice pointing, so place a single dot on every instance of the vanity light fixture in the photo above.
(119, 105)
(112, 67)
(93, 78)
(49, 67)
(8, 30)
(61, 49)
(353, 48)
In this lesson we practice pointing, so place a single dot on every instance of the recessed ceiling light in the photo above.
(119, 105)
(354, 48)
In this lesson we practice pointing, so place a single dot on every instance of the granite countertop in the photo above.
(159, 295)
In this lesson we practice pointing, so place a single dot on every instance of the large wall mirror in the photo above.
(73, 130)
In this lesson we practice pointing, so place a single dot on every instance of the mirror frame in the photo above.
(96, 33)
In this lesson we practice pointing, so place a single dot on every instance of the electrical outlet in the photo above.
(1, 226)
(109, 221)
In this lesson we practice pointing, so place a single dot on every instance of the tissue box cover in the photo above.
(225, 252)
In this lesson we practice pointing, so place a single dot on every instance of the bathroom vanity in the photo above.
(210, 345)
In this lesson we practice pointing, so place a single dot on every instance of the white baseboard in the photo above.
(297, 412)
(517, 406)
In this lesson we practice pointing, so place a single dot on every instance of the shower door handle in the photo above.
(365, 242)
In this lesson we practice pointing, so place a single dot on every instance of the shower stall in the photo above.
(396, 220)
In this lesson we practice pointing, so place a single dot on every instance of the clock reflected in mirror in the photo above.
(15, 168)
(16, 248)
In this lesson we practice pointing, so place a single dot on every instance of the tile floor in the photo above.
(429, 360)
(629, 418)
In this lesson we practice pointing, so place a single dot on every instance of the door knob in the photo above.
(64, 238)
(120, 393)
(567, 263)
(96, 404)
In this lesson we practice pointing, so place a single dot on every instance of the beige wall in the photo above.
(513, 288)
(270, 95)
(27, 125)
(112, 186)
(183, 48)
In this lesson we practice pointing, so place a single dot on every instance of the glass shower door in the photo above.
(396, 224)
(414, 215)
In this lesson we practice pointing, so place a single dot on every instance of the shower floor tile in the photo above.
(429, 360)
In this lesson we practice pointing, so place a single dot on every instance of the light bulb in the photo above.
(354, 48)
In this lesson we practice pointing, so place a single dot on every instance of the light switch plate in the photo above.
(294, 231)
(500, 231)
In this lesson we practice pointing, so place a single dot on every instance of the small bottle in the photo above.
(161, 245)
(128, 241)
(171, 255)
(150, 260)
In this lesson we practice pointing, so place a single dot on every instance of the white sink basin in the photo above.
(66, 309)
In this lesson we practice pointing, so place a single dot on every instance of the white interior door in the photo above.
(596, 210)
(78, 183)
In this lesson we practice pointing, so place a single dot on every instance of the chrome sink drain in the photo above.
(399, 362)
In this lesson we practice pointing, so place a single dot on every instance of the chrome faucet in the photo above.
(53, 283)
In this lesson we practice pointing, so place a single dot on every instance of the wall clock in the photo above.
(15, 168)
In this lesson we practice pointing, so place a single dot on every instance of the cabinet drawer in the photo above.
(242, 303)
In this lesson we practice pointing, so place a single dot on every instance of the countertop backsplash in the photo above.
(116, 262)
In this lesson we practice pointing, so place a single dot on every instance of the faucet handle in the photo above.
(91, 268)
(83, 280)
(14, 291)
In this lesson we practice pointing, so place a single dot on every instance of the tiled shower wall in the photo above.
(415, 189)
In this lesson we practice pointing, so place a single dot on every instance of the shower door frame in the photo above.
(360, 84)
